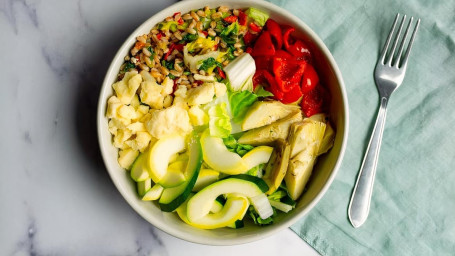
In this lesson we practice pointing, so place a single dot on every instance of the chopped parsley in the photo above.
(128, 66)
(208, 63)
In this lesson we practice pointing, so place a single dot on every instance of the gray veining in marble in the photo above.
(56, 197)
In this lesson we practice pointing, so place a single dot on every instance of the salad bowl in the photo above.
(324, 171)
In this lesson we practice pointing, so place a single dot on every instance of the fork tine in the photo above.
(384, 50)
(400, 51)
(405, 60)
(395, 43)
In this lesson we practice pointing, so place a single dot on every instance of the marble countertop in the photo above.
(56, 195)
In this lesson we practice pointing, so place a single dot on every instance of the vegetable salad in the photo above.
(219, 116)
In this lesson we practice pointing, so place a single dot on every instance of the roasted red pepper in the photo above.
(273, 86)
(310, 79)
(249, 50)
(275, 32)
(221, 72)
(230, 19)
(283, 54)
(264, 45)
(300, 50)
(255, 27)
(313, 101)
(288, 72)
(249, 38)
(264, 63)
(293, 95)
(242, 18)
(178, 47)
(159, 35)
(287, 39)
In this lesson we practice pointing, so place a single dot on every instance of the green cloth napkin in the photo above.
(413, 206)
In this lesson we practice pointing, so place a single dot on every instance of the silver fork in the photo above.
(388, 77)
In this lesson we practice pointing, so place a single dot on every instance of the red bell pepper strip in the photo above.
(205, 33)
(288, 72)
(221, 72)
(230, 19)
(264, 63)
(310, 79)
(300, 50)
(293, 95)
(264, 45)
(178, 47)
(242, 18)
(255, 27)
(249, 38)
(275, 32)
(283, 54)
(273, 86)
(313, 101)
(287, 40)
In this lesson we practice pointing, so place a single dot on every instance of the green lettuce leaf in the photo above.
(277, 195)
(240, 102)
(261, 92)
(258, 220)
(219, 122)
(257, 15)
(233, 146)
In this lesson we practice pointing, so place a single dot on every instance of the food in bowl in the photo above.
(219, 115)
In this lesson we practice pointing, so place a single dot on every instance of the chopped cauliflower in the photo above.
(172, 120)
(140, 142)
(127, 87)
(198, 116)
(113, 104)
(127, 112)
(201, 95)
(151, 94)
(154, 94)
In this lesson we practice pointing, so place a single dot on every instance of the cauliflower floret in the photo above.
(126, 157)
(198, 116)
(154, 94)
(127, 87)
(151, 94)
(114, 125)
(169, 121)
(137, 127)
(113, 104)
(127, 112)
(140, 142)
(121, 136)
(201, 95)
(141, 110)
(220, 89)
(168, 86)
(180, 94)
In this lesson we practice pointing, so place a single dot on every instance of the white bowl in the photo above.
(323, 174)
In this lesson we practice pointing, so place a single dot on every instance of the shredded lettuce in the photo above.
(256, 171)
(261, 92)
(233, 146)
(277, 195)
(240, 102)
(258, 220)
(219, 123)
(194, 62)
(257, 15)
(232, 29)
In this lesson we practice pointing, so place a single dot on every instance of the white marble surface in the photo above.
(56, 197)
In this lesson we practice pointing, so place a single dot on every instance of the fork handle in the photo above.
(359, 206)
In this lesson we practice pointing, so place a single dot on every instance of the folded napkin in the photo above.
(413, 206)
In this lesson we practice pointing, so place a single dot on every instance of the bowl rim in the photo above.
(184, 235)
